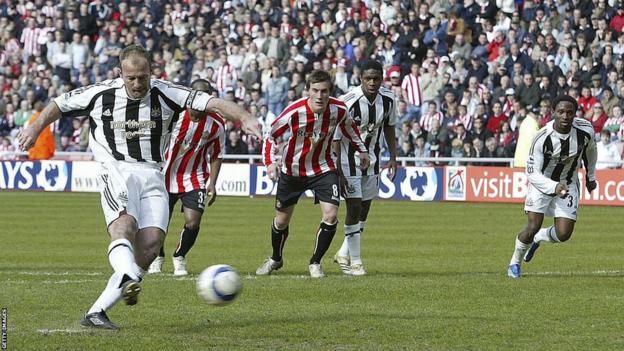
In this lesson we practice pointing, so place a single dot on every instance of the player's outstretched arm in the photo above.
(28, 136)
(232, 111)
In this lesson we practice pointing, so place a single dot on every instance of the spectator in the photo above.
(44, 146)
(608, 152)
(234, 145)
(598, 117)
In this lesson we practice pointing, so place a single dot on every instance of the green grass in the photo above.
(437, 281)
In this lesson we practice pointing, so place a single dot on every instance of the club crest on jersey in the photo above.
(156, 112)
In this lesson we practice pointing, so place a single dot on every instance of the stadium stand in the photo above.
(477, 60)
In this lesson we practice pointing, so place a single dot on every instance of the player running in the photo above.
(554, 159)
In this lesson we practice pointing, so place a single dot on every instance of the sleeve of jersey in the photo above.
(278, 128)
(186, 97)
(392, 115)
(350, 130)
(591, 156)
(534, 169)
(77, 99)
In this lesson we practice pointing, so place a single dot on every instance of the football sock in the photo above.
(187, 240)
(324, 237)
(121, 258)
(362, 225)
(349, 230)
(519, 251)
(278, 239)
(352, 237)
(110, 295)
(547, 234)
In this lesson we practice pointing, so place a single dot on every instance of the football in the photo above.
(219, 284)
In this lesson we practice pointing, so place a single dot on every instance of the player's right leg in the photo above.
(289, 189)
(523, 242)
(350, 244)
(119, 199)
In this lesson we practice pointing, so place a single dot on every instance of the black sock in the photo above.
(187, 240)
(278, 239)
(323, 240)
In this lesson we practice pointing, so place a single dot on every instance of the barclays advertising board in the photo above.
(35, 175)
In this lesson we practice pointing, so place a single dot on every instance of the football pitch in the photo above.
(437, 281)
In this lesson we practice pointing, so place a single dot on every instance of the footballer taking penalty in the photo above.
(197, 140)
(552, 168)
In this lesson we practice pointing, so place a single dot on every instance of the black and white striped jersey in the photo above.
(126, 129)
(555, 157)
(370, 118)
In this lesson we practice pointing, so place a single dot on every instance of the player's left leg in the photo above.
(324, 236)
(193, 209)
(157, 264)
(351, 230)
(564, 210)
(327, 194)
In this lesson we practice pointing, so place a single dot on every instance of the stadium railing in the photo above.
(403, 161)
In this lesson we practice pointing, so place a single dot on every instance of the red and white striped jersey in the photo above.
(308, 150)
(224, 76)
(426, 120)
(466, 120)
(192, 146)
(411, 89)
(29, 40)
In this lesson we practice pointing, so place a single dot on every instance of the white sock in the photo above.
(519, 251)
(349, 230)
(547, 234)
(352, 237)
(121, 258)
(140, 272)
(110, 295)
(362, 225)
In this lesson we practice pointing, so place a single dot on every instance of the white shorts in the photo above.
(553, 206)
(137, 189)
(362, 187)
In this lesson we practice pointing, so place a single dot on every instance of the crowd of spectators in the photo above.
(466, 73)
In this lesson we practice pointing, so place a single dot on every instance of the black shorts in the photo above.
(192, 199)
(325, 187)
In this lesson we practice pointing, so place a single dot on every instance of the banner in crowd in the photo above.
(498, 184)
(36, 175)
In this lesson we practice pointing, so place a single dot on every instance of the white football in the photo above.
(219, 284)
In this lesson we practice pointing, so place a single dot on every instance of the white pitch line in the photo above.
(68, 331)
(56, 273)
(598, 273)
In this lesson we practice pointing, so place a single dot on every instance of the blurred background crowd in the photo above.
(472, 78)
